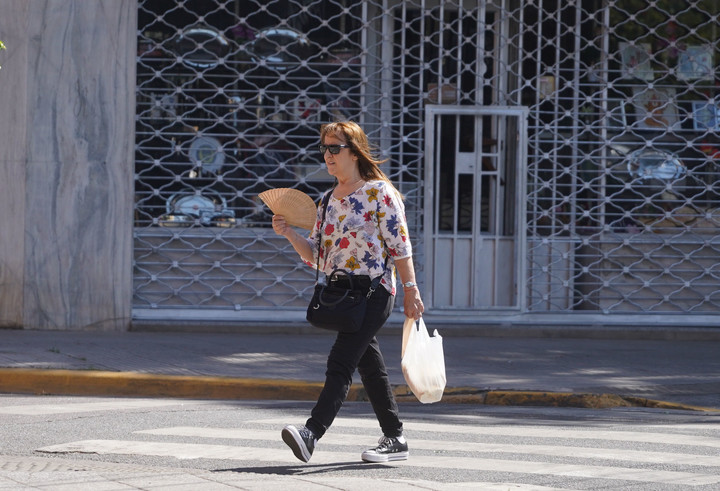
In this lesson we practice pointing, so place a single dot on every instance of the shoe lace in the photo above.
(384, 442)
(307, 434)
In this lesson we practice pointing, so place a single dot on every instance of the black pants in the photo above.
(359, 350)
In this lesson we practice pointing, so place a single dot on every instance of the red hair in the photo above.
(354, 136)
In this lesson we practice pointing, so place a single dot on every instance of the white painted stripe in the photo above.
(195, 451)
(188, 451)
(530, 432)
(86, 407)
(54, 472)
(332, 438)
(693, 426)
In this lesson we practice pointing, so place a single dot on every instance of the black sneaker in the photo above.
(301, 440)
(388, 449)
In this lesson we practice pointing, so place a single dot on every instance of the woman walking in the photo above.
(364, 223)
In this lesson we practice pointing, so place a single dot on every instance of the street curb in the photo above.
(102, 383)
(133, 384)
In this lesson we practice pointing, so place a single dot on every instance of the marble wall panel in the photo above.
(13, 98)
(79, 163)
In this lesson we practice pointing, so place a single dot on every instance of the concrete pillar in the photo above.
(67, 108)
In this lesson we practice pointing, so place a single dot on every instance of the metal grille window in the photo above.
(230, 98)
(623, 173)
(620, 180)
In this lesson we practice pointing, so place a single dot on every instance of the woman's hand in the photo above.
(413, 304)
(301, 246)
(279, 225)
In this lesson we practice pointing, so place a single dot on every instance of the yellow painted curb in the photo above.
(470, 395)
(95, 383)
(555, 399)
(101, 383)
(642, 402)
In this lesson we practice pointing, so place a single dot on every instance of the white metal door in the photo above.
(474, 207)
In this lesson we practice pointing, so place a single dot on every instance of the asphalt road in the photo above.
(132, 443)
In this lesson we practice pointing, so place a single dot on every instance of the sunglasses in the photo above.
(334, 149)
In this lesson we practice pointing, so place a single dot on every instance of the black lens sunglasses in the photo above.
(334, 149)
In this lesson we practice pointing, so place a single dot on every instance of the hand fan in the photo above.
(297, 207)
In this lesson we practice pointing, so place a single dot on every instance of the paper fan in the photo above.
(297, 207)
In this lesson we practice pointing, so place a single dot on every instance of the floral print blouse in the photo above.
(352, 239)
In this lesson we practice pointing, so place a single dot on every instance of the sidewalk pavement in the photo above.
(525, 368)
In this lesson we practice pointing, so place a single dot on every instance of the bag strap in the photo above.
(375, 281)
(323, 203)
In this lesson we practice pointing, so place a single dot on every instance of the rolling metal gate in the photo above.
(622, 140)
(623, 174)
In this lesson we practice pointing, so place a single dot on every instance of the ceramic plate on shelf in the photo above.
(655, 164)
(207, 153)
(279, 48)
(201, 47)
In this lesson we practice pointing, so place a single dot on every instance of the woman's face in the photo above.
(342, 165)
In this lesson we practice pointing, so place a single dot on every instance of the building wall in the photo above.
(66, 163)
(68, 150)
(13, 95)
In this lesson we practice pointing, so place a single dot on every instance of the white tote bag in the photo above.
(423, 361)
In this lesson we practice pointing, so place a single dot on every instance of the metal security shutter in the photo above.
(622, 140)
(230, 99)
(623, 173)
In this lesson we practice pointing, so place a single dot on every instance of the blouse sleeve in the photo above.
(393, 224)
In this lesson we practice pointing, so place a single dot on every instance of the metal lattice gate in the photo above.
(230, 99)
(621, 178)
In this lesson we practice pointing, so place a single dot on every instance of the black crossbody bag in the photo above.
(335, 308)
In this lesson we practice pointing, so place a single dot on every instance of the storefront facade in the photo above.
(558, 158)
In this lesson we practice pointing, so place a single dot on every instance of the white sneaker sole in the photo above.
(292, 438)
(385, 457)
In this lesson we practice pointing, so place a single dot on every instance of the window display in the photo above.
(230, 97)
(661, 69)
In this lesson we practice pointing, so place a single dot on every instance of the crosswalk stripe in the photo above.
(694, 426)
(543, 450)
(57, 473)
(332, 438)
(182, 451)
(119, 405)
(225, 452)
(529, 432)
